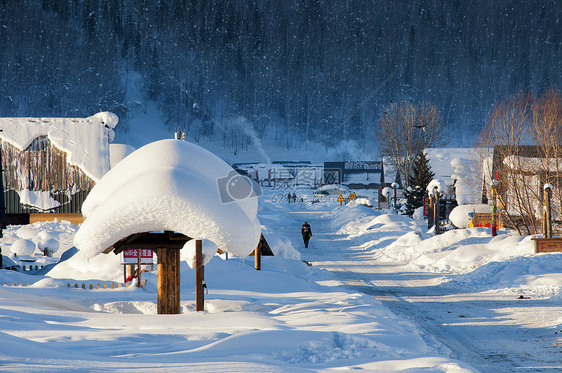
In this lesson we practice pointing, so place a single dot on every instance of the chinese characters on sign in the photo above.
(130, 256)
(548, 245)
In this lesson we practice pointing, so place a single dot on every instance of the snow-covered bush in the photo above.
(23, 247)
(47, 241)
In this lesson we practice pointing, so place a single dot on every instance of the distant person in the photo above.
(289, 197)
(306, 233)
(294, 197)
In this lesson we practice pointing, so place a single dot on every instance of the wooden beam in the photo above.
(74, 218)
(149, 240)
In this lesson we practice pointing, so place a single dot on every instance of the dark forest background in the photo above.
(305, 70)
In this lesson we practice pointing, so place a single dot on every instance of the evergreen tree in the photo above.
(419, 180)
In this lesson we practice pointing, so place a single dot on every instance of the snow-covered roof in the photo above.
(534, 165)
(85, 140)
(170, 185)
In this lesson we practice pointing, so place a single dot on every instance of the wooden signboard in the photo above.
(548, 245)
(484, 220)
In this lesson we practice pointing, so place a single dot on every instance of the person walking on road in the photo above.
(306, 233)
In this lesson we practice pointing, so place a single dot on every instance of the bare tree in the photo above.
(546, 130)
(404, 130)
(521, 148)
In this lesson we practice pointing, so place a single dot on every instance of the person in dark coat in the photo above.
(306, 233)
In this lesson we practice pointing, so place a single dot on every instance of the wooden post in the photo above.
(395, 197)
(199, 277)
(430, 215)
(436, 210)
(494, 208)
(547, 213)
(138, 268)
(168, 281)
(257, 258)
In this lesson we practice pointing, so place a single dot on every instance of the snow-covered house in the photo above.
(50, 164)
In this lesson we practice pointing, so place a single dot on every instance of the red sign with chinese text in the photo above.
(130, 256)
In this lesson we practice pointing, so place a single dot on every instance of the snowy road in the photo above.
(490, 331)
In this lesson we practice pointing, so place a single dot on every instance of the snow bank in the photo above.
(280, 246)
(85, 140)
(170, 185)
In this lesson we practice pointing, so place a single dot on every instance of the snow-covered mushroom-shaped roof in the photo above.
(169, 185)
(85, 140)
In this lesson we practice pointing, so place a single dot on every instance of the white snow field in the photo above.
(382, 294)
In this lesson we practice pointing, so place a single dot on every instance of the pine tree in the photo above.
(418, 181)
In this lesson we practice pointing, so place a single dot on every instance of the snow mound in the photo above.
(459, 216)
(280, 246)
(23, 247)
(118, 152)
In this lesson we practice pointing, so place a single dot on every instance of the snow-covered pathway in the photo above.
(491, 331)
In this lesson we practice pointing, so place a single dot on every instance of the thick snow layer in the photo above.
(85, 140)
(440, 184)
(440, 159)
(460, 214)
(170, 185)
(118, 152)
(280, 319)
(458, 166)
(23, 247)
(275, 319)
(38, 198)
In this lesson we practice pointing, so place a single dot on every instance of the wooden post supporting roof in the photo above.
(168, 281)
(167, 246)
(199, 277)
(257, 261)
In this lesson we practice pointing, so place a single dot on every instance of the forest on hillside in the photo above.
(307, 70)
